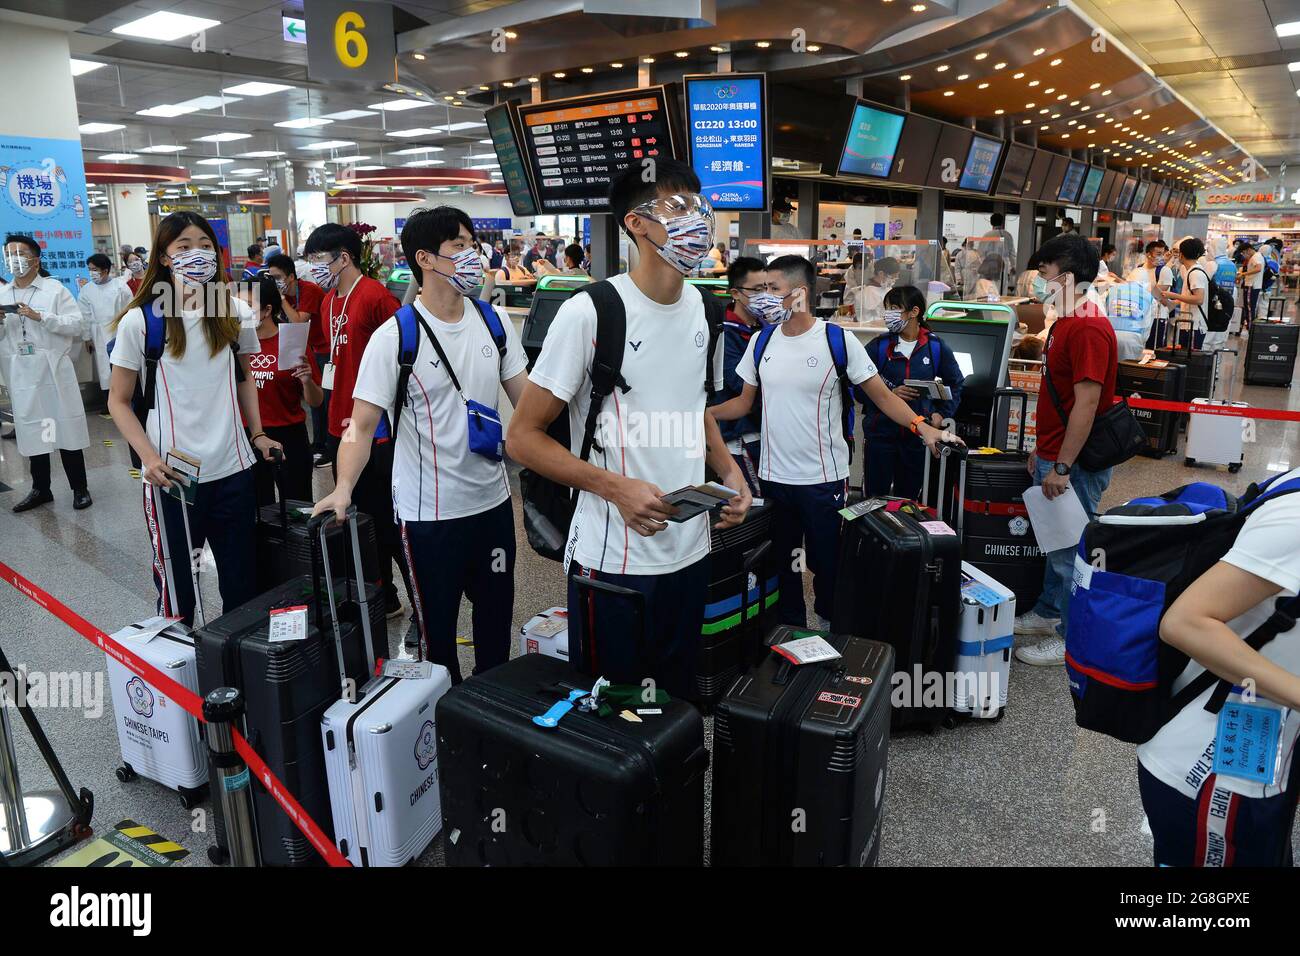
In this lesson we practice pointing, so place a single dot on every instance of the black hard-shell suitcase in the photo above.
(799, 759)
(899, 582)
(287, 686)
(285, 549)
(1164, 382)
(591, 791)
(1198, 365)
(1271, 353)
(743, 592)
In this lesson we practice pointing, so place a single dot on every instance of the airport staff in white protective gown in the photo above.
(42, 326)
(102, 300)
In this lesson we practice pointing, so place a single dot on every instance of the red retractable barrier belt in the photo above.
(1231, 411)
(189, 702)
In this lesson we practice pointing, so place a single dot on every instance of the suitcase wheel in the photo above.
(949, 721)
(218, 856)
(1234, 467)
(1189, 462)
(125, 773)
(190, 798)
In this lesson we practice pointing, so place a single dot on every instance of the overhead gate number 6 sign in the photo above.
(349, 42)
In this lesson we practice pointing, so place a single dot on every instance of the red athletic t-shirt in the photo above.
(1081, 347)
(279, 394)
(353, 319)
(308, 300)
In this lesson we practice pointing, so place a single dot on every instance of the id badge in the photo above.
(327, 377)
(1248, 742)
(27, 348)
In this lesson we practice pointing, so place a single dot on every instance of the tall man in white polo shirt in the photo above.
(804, 464)
(452, 497)
(654, 439)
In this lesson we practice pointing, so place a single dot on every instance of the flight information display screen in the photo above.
(1011, 181)
(1069, 191)
(981, 163)
(514, 173)
(726, 117)
(576, 147)
(1140, 197)
(1126, 194)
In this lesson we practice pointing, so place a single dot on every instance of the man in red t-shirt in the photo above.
(355, 306)
(1080, 363)
(302, 300)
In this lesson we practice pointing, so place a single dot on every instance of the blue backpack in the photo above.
(840, 358)
(408, 346)
(1133, 563)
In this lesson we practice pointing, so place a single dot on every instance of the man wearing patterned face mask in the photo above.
(670, 347)
(453, 500)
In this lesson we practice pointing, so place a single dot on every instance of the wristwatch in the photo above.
(1061, 468)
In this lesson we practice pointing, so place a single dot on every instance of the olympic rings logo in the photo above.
(262, 361)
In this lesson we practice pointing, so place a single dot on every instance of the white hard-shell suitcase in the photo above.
(381, 756)
(547, 633)
(985, 634)
(1216, 439)
(158, 739)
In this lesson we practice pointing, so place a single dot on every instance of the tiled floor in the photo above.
(1030, 789)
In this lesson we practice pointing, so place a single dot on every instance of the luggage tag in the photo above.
(145, 631)
(407, 669)
(288, 624)
(551, 718)
(862, 507)
(1248, 743)
(327, 377)
(485, 435)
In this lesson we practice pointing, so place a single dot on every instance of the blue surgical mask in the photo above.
(1040, 288)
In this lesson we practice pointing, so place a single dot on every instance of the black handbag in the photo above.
(1116, 434)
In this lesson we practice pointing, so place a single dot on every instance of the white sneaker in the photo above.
(1048, 653)
(1032, 624)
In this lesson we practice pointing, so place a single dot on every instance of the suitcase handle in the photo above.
(277, 474)
(587, 588)
(751, 559)
(320, 523)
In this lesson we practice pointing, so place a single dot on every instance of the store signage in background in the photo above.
(294, 29)
(727, 118)
(350, 41)
(43, 194)
(491, 224)
(1263, 196)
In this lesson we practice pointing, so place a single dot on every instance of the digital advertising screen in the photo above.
(981, 164)
(501, 127)
(575, 147)
(871, 141)
(1140, 196)
(1015, 168)
(726, 134)
(1072, 181)
(1091, 186)
(1110, 184)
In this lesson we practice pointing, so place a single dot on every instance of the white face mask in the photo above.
(136, 266)
(195, 266)
(688, 220)
(17, 264)
(769, 308)
(99, 278)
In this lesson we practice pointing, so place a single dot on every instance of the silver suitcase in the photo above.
(381, 755)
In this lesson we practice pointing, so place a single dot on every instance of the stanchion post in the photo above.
(221, 709)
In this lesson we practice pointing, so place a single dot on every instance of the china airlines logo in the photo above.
(262, 361)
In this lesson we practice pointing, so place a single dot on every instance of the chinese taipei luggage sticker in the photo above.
(426, 752)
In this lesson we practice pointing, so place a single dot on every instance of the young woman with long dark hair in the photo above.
(204, 397)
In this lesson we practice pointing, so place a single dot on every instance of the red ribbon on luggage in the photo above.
(189, 702)
(1229, 411)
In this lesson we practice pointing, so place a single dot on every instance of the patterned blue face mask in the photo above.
(894, 320)
(769, 308)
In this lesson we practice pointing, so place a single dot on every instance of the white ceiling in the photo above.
(1186, 41)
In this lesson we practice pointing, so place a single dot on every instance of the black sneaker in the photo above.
(412, 639)
(392, 605)
(320, 459)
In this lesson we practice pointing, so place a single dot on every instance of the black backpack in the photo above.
(1218, 305)
(548, 506)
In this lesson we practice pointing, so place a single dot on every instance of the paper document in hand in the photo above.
(293, 344)
(1058, 523)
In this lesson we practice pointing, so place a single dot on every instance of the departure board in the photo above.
(501, 128)
(576, 147)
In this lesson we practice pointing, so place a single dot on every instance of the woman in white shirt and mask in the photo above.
(204, 396)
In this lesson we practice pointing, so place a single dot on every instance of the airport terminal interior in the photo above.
(886, 144)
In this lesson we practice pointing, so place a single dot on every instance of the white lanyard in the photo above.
(31, 296)
(343, 314)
